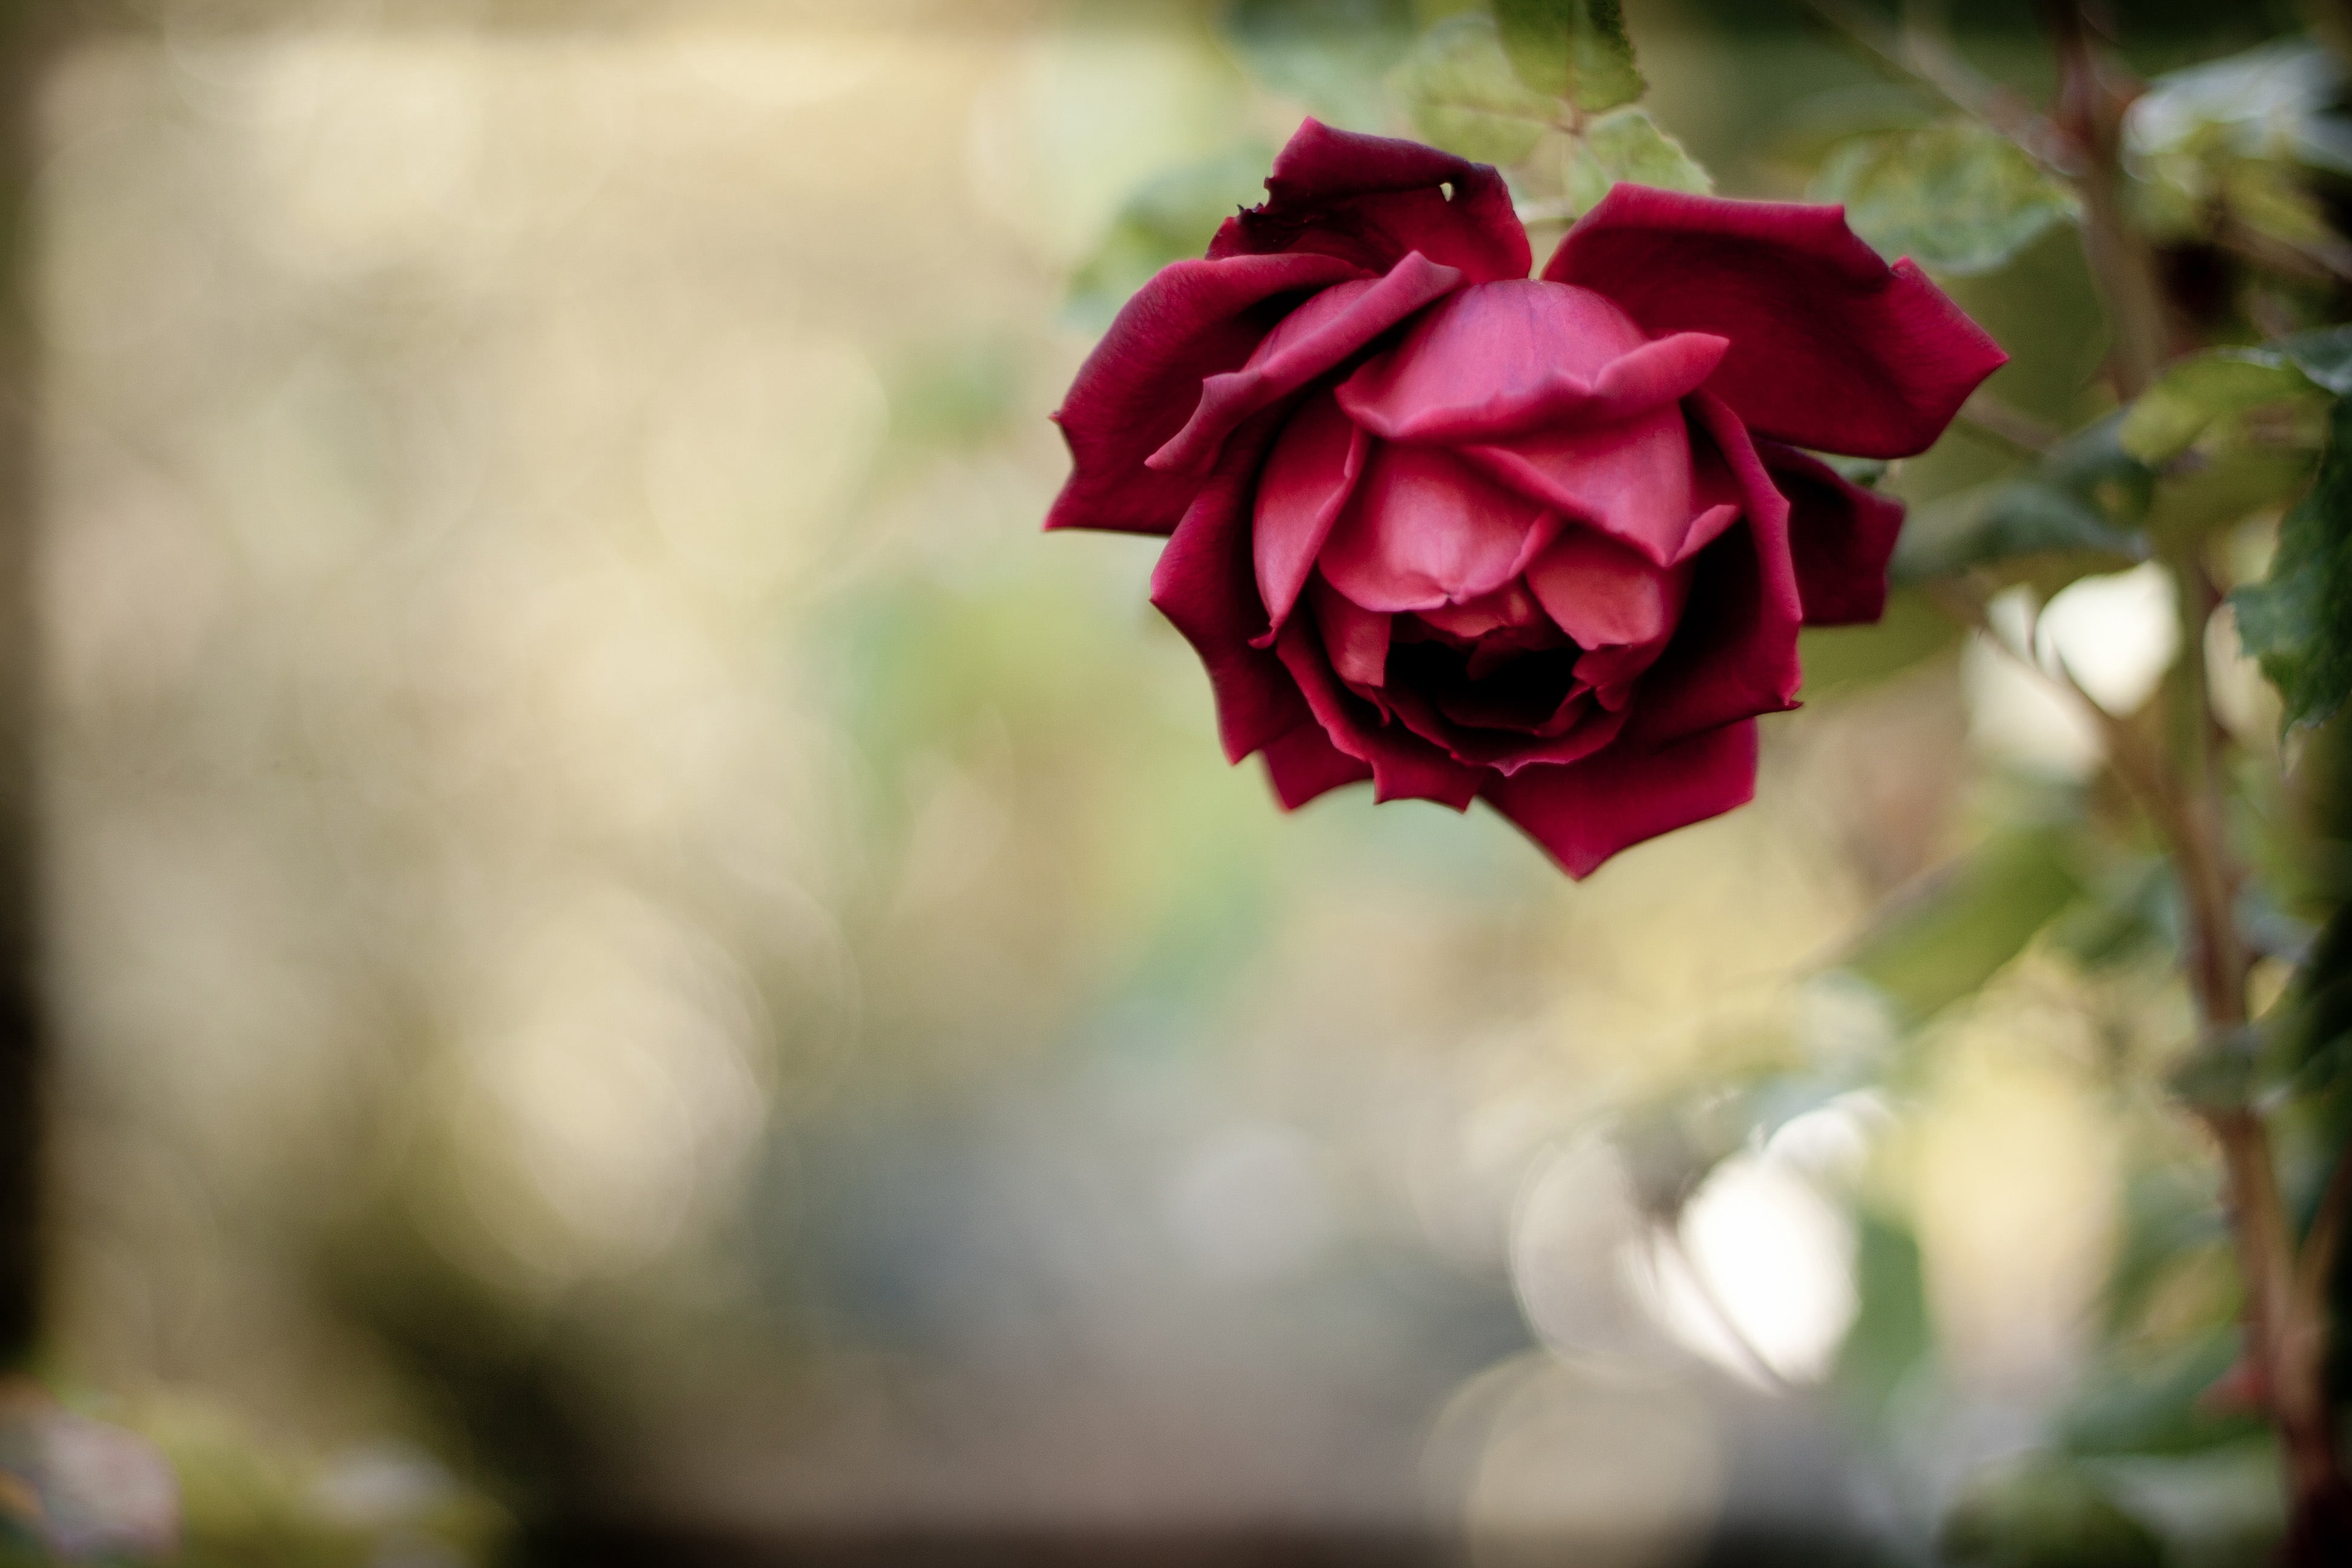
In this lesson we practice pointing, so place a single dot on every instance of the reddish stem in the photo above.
(2286, 1318)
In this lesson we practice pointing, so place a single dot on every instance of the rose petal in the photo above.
(1356, 639)
(1204, 585)
(1404, 766)
(1612, 671)
(1830, 348)
(1586, 811)
(1509, 608)
(1603, 593)
(1576, 731)
(1630, 481)
(1734, 655)
(1592, 730)
(1311, 339)
(1841, 536)
(1193, 319)
(1371, 199)
(1304, 764)
(1424, 529)
(1308, 479)
(1500, 358)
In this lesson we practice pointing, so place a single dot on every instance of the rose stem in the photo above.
(2286, 1319)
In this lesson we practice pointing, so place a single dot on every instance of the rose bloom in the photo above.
(1469, 535)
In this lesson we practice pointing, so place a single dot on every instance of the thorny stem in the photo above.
(2286, 1307)
(2286, 1320)
(2286, 1312)
(2089, 116)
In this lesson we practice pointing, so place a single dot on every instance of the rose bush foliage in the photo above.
(1469, 534)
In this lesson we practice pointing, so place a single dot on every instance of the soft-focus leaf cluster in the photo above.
(1958, 197)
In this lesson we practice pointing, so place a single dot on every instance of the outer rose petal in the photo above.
(1304, 764)
(1311, 339)
(1193, 321)
(1204, 585)
(1500, 358)
(1371, 200)
(1830, 348)
(1841, 534)
(1404, 766)
(1585, 812)
(1734, 655)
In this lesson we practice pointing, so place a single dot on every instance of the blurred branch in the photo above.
(2219, 959)
(2288, 1328)
(32, 37)
(2326, 260)
(2089, 117)
(2139, 764)
(2007, 422)
(2186, 788)
(1922, 54)
(2286, 1305)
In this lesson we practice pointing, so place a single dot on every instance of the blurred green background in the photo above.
(641, 958)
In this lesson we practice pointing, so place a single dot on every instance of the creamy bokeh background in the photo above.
(604, 876)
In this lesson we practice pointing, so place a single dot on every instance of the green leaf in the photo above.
(2231, 144)
(2236, 472)
(2084, 498)
(1959, 198)
(1465, 98)
(1332, 54)
(2158, 1408)
(1838, 660)
(1572, 49)
(2219, 1072)
(2192, 394)
(2325, 355)
(1627, 146)
(2001, 522)
(2169, 1222)
(2132, 912)
(2297, 622)
(1954, 933)
(1167, 219)
(2195, 393)
(2278, 100)
(2038, 1511)
(2311, 1028)
(1892, 1333)
(2253, 416)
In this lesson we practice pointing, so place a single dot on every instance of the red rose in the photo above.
(1467, 534)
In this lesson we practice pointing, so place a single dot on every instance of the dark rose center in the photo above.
(1508, 679)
